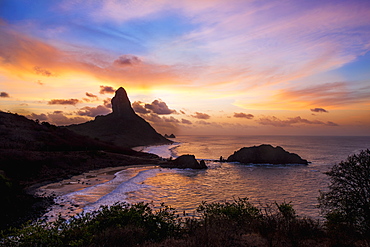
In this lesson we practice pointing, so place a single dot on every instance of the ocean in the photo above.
(185, 189)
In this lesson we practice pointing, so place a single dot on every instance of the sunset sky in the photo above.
(236, 67)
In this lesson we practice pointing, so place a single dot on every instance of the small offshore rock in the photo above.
(186, 161)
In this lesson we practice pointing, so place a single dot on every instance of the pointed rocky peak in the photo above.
(121, 105)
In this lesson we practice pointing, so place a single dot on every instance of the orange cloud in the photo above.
(27, 58)
(336, 95)
(276, 122)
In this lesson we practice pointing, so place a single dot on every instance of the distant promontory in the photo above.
(123, 127)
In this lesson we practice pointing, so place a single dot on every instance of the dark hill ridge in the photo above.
(32, 153)
(19, 132)
(122, 127)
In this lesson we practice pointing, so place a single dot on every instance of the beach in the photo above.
(67, 208)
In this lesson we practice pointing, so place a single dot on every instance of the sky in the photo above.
(236, 67)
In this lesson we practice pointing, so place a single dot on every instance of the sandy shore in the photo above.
(82, 181)
(66, 207)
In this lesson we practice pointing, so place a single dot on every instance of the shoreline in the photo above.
(80, 182)
(58, 190)
(165, 151)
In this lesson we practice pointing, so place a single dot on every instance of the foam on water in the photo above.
(119, 194)
(164, 151)
(108, 193)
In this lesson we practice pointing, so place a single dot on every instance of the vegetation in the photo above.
(346, 205)
(236, 223)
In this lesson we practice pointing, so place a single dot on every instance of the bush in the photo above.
(119, 225)
(346, 205)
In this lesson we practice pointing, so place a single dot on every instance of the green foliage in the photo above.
(118, 225)
(239, 208)
(347, 203)
(235, 223)
(281, 224)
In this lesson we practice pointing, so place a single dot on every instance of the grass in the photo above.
(236, 223)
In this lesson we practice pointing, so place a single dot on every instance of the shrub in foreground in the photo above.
(236, 223)
(346, 205)
(119, 225)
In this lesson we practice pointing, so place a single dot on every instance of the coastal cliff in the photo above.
(123, 127)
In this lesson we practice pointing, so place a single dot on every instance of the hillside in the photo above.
(32, 153)
(123, 127)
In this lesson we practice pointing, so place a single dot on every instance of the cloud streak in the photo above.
(40, 71)
(200, 115)
(243, 115)
(63, 102)
(276, 122)
(320, 110)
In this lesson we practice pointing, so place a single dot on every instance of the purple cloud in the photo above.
(90, 95)
(243, 115)
(63, 102)
(93, 111)
(200, 115)
(321, 110)
(108, 103)
(159, 107)
(185, 121)
(139, 108)
(40, 71)
(106, 89)
(276, 122)
(4, 95)
(41, 117)
(127, 60)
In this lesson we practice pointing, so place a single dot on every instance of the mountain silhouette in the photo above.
(123, 127)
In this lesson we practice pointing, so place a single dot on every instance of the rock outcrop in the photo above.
(170, 136)
(265, 154)
(122, 127)
(187, 161)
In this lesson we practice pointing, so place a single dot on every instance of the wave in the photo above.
(164, 151)
(119, 194)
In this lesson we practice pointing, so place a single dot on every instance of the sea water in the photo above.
(224, 181)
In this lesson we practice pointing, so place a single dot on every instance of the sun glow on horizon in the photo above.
(216, 67)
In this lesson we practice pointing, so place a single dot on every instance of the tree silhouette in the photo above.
(348, 200)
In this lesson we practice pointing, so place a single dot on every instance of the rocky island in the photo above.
(186, 161)
(265, 154)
